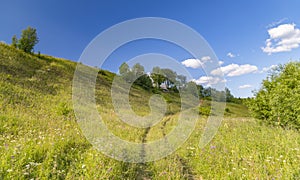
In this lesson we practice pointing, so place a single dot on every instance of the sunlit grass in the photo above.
(39, 136)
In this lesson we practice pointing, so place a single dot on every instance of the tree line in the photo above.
(165, 79)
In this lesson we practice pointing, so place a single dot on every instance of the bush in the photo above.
(205, 111)
(278, 100)
(227, 110)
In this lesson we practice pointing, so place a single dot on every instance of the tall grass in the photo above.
(40, 139)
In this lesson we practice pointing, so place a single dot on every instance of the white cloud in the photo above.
(245, 86)
(231, 55)
(3, 42)
(224, 70)
(192, 63)
(234, 70)
(196, 63)
(221, 62)
(208, 80)
(205, 58)
(283, 38)
(243, 69)
(266, 69)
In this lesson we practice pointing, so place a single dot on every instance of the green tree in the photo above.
(191, 88)
(229, 96)
(138, 69)
(14, 41)
(156, 70)
(124, 68)
(157, 76)
(126, 73)
(200, 90)
(170, 76)
(144, 81)
(206, 93)
(28, 40)
(278, 100)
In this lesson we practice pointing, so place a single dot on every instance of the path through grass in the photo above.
(40, 139)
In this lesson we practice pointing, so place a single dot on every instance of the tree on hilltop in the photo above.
(27, 41)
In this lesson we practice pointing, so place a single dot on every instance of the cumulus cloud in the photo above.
(231, 55)
(245, 86)
(192, 63)
(224, 70)
(282, 38)
(266, 69)
(234, 70)
(243, 69)
(208, 80)
(196, 63)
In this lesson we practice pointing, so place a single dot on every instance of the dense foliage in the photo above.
(278, 100)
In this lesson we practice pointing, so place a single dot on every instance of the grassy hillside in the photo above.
(40, 139)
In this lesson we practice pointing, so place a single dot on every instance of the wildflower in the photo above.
(212, 147)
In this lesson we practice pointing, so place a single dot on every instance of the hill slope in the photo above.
(39, 136)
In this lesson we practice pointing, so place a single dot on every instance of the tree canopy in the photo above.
(278, 100)
(27, 41)
(124, 68)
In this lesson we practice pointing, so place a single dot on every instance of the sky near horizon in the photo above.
(248, 37)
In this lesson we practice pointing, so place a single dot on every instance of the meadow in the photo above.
(40, 138)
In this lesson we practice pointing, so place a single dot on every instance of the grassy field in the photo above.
(40, 139)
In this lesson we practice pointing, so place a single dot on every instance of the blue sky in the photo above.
(236, 30)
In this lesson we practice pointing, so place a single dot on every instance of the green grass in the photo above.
(40, 139)
(236, 110)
